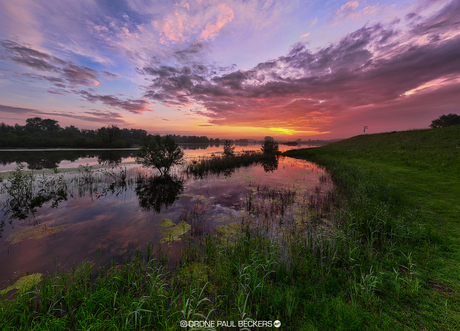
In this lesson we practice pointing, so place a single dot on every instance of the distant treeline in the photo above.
(49, 134)
(195, 140)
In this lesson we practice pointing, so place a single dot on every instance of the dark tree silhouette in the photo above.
(109, 134)
(228, 148)
(445, 120)
(159, 152)
(270, 147)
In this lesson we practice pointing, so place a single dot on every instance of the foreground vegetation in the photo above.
(229, 161)
(423, 166)
(381, 252)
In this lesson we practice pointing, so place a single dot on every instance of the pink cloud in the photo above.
(172, 29)
(134, 106)
(211, 29)
(349, 10)
(90, 117)
(367, 71)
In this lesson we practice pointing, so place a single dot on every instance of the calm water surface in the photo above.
(102, 220)
(38, 159)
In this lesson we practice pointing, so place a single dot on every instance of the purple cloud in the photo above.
(98, 117)
(133, 106)
(68, 71)
(371, 66)
(445, 20)
(79, 75)
(29, 57)
(110, 75)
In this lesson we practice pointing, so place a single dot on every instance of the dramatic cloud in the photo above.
(445, 21)
(350, 10)
(133, 106)
(371, 66)
(28, 57)
(98, 117)
(282, 66)
(68, 73)
(79, 75)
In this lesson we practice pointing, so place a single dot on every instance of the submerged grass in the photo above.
(375, 255)
(226, 164)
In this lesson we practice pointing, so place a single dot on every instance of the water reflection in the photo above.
(23, 195)
(110, 158)
(122, 208)
(49, 159)
(158, 191)
(39, 159)
(226, 165)
(270, 164)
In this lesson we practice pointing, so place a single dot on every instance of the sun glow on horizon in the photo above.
(291, 132)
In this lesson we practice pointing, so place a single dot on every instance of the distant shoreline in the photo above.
(59, 149)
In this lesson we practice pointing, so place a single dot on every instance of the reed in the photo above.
(225, 164)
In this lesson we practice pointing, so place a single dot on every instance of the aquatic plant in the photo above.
(227, 165)
(19, 190)
(24, 283)
(24, 193)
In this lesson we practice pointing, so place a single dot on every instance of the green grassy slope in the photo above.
(424, 165)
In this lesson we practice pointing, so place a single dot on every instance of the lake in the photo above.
(39, 159)
(101, 206)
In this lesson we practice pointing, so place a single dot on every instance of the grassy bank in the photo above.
(423, 167)
(381, 252)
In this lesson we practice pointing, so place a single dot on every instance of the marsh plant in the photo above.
(228, 148)
(25, 192)
(20, 192)
(222, 164)
(270, 147)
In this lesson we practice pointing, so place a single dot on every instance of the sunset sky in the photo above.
(231, 69)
